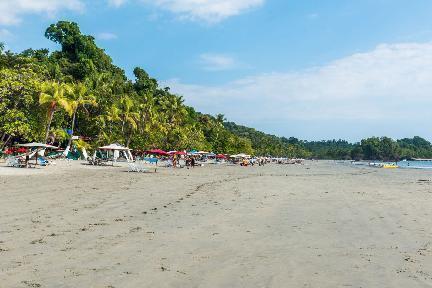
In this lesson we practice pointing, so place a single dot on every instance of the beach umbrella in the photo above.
(177, 153)
(156, 152)
(21, 150)
(37, 145)
(241, 155)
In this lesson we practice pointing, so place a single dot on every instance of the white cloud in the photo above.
(217, 62)
(106, 36)
(12, 10)
(116, 3)
(389, 86)
(207, 10)
(5, 34)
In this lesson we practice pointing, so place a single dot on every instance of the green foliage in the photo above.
(330, 149)
(20, 113)
(374, 148)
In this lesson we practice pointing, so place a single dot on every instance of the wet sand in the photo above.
(317, 225)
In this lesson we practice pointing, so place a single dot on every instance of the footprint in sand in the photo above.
(31, 284)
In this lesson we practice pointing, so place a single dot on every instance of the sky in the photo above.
(310, 69)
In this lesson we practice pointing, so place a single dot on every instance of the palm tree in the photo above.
(107, 119)
(220, 119)
(53, 96)
(78, 97)
(129, 117)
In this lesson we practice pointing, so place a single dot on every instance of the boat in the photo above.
(390, 166)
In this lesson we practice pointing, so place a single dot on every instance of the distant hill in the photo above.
(266, 144)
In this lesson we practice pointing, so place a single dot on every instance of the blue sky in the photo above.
(309, 69)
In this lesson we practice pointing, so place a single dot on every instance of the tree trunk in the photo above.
(6, 142)
(128, 138)
(72, 129)
(50, 118)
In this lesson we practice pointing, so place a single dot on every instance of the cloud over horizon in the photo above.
(386, 86)
(11, 12)
(116, 3)
(211, 11)
(217, 62)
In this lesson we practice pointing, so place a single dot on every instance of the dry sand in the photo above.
(318, 225)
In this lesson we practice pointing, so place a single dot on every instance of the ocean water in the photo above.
(401, 164)
(415, 164)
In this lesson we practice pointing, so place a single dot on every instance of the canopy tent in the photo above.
(117, 148)
(157, 152)
(114, 146)
(221, 156)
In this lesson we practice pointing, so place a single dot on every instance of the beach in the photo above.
(321, 224)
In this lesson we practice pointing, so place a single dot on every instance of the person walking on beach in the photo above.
(174, 161)
(27, 158)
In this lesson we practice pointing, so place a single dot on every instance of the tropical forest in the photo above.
(48, 96)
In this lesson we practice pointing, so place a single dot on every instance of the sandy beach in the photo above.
(321, 224)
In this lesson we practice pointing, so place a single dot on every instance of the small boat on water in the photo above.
(383, 165)
(390, 166)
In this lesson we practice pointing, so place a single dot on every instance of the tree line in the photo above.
(373, 148)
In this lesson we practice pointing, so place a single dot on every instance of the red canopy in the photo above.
(156, 152)
(177, 153)
(221, 156)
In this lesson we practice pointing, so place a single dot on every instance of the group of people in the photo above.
(253, 161)
(189, 160)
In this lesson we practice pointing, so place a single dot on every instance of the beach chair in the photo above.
(42, 161)
(132, 167)
(138, 166)
(16, 162)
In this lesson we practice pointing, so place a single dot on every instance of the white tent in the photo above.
(116, 148)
